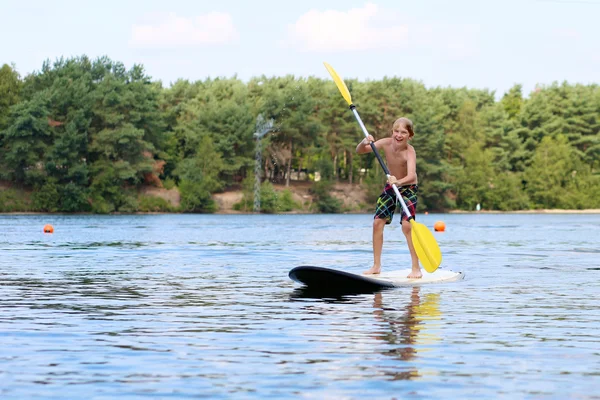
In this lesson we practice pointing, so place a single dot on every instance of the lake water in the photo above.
(200, 306)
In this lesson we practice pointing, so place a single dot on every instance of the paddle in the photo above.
(425, 244)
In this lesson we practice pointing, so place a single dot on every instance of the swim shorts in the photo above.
(386, 203)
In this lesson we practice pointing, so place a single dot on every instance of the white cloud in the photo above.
(174, 31)
(566, 33)
(372, 27)
(357, 29)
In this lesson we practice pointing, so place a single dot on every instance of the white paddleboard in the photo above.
(399, 278)
(328, 279)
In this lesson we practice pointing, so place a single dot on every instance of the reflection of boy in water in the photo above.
(405, 329)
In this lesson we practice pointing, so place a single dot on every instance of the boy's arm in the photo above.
(365, 147)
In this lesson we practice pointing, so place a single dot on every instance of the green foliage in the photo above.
(52, 197)
(83, 125)
(204, 166)
(169, 183)
(434, 167)
(154, 204)
(26, 140)
(271, 200)
(324, 201)
(513, 101)
(476, 178)
(12, 200)
(124, 201)
(268, 198)
(221, 113)
(325, 168)
(196, 197)
(288, 101)
(10, 90)
(101, 206)
(558, 177)
(286, 202)
(506, 193)
(246, 204)
(86, 135)
(108, 188)
(198, 178)
(46, 198)
(73, 198)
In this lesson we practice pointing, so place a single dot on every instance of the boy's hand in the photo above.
(368, 140)
(392, 179)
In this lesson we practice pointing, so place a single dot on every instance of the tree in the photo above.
(219, 110)
(126, 130)
(25, 140)
(508, 153)
(340, 131)
(555, 170)
(288, 102)
(199, 177)
(512, 101)
(10, 89)
(475, 180)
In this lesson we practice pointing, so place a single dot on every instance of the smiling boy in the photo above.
(402, 162)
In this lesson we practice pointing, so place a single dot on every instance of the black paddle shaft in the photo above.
(385, 168)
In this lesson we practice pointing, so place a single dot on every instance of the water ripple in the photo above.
(178, 306)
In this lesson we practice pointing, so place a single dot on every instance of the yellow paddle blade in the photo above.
(428, 309)
(426, 246)
(339, 83)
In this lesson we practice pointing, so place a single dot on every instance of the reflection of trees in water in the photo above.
(405, 328)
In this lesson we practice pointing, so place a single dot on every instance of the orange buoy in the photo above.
(439, 226)
(48, 228)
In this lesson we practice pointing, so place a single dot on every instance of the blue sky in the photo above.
(489, 44)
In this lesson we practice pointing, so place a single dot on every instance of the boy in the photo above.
(402, 163)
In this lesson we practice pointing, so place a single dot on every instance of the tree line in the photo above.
(85, 135)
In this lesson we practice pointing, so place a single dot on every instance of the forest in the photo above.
(83, 135)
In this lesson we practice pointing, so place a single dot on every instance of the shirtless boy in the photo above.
(402, 163)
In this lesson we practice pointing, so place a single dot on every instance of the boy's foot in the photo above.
(372, 271)
(415, 274)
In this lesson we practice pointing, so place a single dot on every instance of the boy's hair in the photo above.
(407, 123)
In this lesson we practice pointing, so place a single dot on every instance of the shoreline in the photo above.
(543, 211)
(234, 212)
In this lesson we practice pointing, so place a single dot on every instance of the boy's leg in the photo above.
(378, 225)
(384, 212)
(415, 269)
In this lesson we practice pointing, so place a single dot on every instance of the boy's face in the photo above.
(400, 134)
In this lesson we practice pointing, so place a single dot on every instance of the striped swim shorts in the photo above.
(386, 203)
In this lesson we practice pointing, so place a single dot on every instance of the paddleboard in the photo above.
(320, 278)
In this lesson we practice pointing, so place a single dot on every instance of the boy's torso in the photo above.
(397, 160)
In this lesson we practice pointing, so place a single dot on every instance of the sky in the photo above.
(483, 44)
